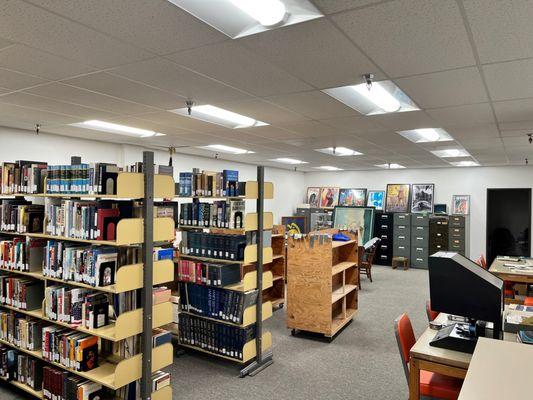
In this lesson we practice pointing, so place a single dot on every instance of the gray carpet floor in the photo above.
(362, 362)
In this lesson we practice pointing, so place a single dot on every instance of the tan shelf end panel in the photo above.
(250, 254)
(130, 277)
(163, 394)
(130, 230)
(249, 282)
(252, 190)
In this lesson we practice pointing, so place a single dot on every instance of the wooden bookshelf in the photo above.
(276, 293)
(322, 276)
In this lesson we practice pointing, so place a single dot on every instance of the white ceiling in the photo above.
(467, 64)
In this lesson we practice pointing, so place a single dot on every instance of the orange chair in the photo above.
(430, 313)
(431, 384)
(528, 301)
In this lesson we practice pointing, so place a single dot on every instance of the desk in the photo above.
(434, 359)
(506, 274)
(499, 370)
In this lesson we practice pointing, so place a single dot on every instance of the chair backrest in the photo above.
(405, 338)
(483, 261)
(371, 252)
(430, 313)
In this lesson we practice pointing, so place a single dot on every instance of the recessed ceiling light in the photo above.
(390, 166)
(219, 116)
(379, 98)
(329, 168)
(465, 163)
(426, 135)
(445, 153)
(339, 151)
(226, 149)
(238, 18)
(292, 161)
(103, 126)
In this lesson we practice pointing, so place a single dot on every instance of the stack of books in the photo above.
(74, 350)
(21, 331)
(60, 385)
(21, 216)
(93, 178)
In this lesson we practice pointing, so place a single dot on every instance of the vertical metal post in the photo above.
(147, 256)
(259, 307)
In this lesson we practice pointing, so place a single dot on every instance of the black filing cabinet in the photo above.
(383, 229)
(438, 234)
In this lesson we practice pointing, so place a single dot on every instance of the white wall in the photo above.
(289, 187)
(448, 181)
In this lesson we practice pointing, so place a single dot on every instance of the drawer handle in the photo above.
(384, 237)
(419, 249)
(401, 237)
(419, 259)
(384, 257)
(384, 246)
(419, 238)
(401, 247)
(419, 217)
(401, 226)
(420, 228)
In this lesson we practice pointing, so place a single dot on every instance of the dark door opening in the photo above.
(508, 223)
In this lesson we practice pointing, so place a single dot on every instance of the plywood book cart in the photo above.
(322, 282)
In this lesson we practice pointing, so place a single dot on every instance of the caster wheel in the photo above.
(281, 306)
(179, 352)
(293, 332)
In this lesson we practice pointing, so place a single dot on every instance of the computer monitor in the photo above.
(458, 286)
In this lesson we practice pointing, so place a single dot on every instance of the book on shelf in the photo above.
(210, 245)
(160, 379)
(22, 293)
(158, 169)
(225, 340)
(61, 385)
(219, 214)
(18, 215)
(22, 177)
(209, 183)
(20, 367)
(21, 331)
(92, 178)
(160, 336)
(216, 303)
(208, 273)
(160, 295)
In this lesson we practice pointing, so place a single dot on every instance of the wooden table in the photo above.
(434, 359)
(507, 274)
(499, 370)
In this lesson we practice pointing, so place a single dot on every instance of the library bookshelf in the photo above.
(255, 275)
(276, 293)
(114, 372)
(322, 279)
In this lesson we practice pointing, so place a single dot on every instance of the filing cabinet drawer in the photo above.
(417, 240)
(457, 221)
(403, 240)
(419, 220)
(385, 237)
(439, 235)
(417, 251)
(402, 250)
(420, 230)
(457, 248)
(384, 227)
(438, 221)
(435, 247)
(402, 230)
(419, 262)
(385, 247)
(384, 218)
(402, 219)
(456, 242)
(384, 259)
(456, 231)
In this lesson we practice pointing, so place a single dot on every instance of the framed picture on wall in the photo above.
(295, 224)
(422, 198)
(329, 196)
(461, 204)
(357, 219)
(313, 196)
(352, 197)
(376, 199)
(397, 199)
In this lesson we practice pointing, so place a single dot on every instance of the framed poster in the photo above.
(313, 196)
(352, 197)
(422, 198)
(397, 199)
(329, 196)
(295, 224)
(461, 204)
(375, 199)
(359, 219)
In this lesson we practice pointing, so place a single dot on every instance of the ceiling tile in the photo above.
(128, 90)
(333, 6)
(523, 133)
(16, 80)
(156, 25)
(315, 105)
(502, 29)
(62, 37)
(170, 77)
(309, 128)
(34, 116)
(404, 120)
(270, 132)
(522, 125)
(477, 144)
(314, 51)
(235, 65)
(460, 115)
(74, 95)
(46, 104)
(514, 110)
(473, 131)
(262, 110)
(355, 124)
(408, 37)
(36, 62)
(4, 43)
(170, 119)
(442, 89)
(510, 80)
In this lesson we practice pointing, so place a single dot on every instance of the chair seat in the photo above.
(439, 386)
(528, 301)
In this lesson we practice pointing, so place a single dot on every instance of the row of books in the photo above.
(208, 273)
(219, 214)
(22, 293)
(61, 385)
(21, 331)
(209, 184)
(158, 169)
(93, 178)
(211, 245)
(214, 337)
(22, 177)
(18, 215)
(20, 367)
(225, 305)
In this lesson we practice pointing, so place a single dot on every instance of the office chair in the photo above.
(431, 384)
(430, 313)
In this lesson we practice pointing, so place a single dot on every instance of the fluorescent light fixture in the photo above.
(219, 116)
(238, 18)
(339, 151)
(390, 166)
(426, 135)
(329, 168)
(292, 161)
(103, 126)
(465, 163)
(445, 153)
(382, 97)
(226, 149)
